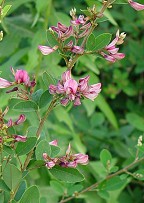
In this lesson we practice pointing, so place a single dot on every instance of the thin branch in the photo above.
(95, 185)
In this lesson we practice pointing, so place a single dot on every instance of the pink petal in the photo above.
(54, 143)
(20, 120)
(136, 5)
(70, 86)
(45, 50)
(66, 76)
(4, 83)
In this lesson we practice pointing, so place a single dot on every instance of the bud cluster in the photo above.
(5, 137)
(68, 160)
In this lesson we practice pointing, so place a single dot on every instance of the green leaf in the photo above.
(31, 195)
(36, 95)
(114, 183)
(3, 186)
(48, 79)
(63, 116)
(21, 190)
(102, 40)
(25, 106)
(106, 109)
(25, 147)
(41, 5)
(135, 120)
(91, 42)
(45, 99)
(54, 151)
(12, 176)
(42, 147)
(51, 39)
(69, 175)
(105, 158)
(5, 10)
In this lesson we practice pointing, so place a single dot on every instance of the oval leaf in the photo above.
(25, 106)
(42, 147)
(102, 41)
(31, 195)
(135, 120)
(69, 175)
(105, 157)
(12, 176)
(25, 147)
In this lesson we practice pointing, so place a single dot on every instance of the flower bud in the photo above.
(20, 120)
(77, 50)
(19, 138)
(54, 143)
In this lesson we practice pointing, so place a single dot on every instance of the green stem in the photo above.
(50, 108)
(95, 185)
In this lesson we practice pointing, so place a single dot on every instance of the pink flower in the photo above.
(79, 20)
(77, 50)
(136, 5)
(5, 83)
(54, 143)
(81, 159)
(45, 50)
(63, 31)
(10, 123)
(19, 138)
(70, 87)
(50, 164)
(71, 90)
(112, 51)
(21, 76)
(66, 76)
(52, 89)
(71, 160)
(20, 120)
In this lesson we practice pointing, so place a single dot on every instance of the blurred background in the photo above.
(113, 121)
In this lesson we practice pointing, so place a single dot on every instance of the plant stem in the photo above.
(50, 108)
(107, 178)
(75, 58)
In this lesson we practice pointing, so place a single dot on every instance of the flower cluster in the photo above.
(21, 77)
(111, 50)
(4, 134)
(69, 160)
(71, 90)
(78, 29)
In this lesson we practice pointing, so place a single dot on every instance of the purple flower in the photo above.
(50, 164)
(10, 123)
(77, 50)
(45, 50)
(5, 83)
(19, 138)
(21, 76)
(136, 5)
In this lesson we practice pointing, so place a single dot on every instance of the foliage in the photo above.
(106, 129)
